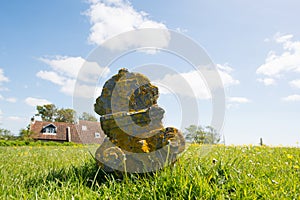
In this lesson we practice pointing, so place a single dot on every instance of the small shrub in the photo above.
(33, 143)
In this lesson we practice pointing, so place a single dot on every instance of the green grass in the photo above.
(6, 143)
(203, 172)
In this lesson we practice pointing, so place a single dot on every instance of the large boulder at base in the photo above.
(136, 139)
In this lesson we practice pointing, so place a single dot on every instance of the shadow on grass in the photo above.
(88, 174)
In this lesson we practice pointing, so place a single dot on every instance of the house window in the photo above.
(97, 135)
(84, 128)
(49, 129)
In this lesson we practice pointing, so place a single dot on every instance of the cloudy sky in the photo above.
(255, 47)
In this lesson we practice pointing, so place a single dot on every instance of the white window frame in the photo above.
(84, 128)
(50, 129)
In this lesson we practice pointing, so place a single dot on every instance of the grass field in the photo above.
(203, 172)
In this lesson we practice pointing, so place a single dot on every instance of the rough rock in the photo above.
(132, 121)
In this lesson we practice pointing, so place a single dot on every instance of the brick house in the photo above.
(85, 132)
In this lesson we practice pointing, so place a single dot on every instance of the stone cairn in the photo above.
(136, 140)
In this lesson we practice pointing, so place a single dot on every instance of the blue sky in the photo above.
(255, 45)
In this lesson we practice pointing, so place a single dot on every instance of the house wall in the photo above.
(69, 132)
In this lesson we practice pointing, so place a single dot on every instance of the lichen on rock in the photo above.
(132, 122)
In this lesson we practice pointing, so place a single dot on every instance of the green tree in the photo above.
(25, 133)
(198, 134)
(87, 117)
(65, 115)
(51, 113)
(212, 136)
(47, 112)
(6, 134)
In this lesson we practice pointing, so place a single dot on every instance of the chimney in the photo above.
(68, 134)
(32, 120)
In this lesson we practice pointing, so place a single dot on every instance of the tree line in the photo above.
(51, 113)
(202, 135)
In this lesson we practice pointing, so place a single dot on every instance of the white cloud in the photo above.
(3, 78)
(289, 61)
(108, 18)
(282, 38)
(14, 118)
(238, 100)
(69, 87)
(234, 102)
(31, 101)
(67, 84)
(1, 116)
(67, 69)
(295, 83)
(3, 88)
(52, 77)
(187, 84)
(225, 74)
(191, 84)
(65, 65)
(112, 17)
(292, 98)
(267, 81)
(11, 100)
(180, 30)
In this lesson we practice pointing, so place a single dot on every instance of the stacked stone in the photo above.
(132, 121)
(126, 92)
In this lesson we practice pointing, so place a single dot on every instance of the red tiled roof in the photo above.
(87, 135)
(84, 135)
